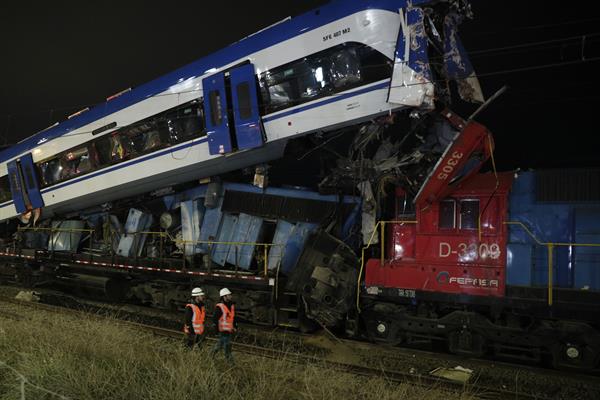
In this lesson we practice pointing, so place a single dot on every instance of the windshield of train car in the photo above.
(324, 73)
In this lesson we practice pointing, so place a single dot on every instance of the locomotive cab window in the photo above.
(469, 214)
(447, 218)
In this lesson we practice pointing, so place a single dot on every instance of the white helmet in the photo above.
(224, 292)
(197, 292)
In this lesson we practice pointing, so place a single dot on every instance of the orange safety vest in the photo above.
(226, 320)
(198, 315)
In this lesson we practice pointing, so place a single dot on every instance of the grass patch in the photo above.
(91, 359)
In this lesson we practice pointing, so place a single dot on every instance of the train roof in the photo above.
(274, 34)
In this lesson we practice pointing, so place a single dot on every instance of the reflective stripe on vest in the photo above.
(226, 320)
(198, 315)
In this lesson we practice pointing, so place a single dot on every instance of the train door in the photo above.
(231, 110)
(248, 128)
(24, 184)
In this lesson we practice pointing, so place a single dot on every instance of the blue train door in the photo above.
(217, 118)
(248, 127)
(231, 110)
(24, 184)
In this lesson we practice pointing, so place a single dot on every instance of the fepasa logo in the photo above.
(444, 277)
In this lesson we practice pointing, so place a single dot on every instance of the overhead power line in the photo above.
(532, 44)
(504, 30)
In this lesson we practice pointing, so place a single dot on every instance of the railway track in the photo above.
(480, 388)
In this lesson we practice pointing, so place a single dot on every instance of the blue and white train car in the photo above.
(333, 67)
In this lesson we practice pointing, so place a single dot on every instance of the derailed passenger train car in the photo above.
(335, 67)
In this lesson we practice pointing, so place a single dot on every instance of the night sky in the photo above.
(58, 58)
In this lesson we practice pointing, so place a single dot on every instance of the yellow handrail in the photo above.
(550, 246)
(31, 228)
(265, 246)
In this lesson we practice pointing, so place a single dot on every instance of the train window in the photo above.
(243, 95)
(28, 176)
(185, 122)
(141, 138)
(50, 171)
(169, 127)
(447, 218)
(345, 68)
(109, 149)
(216, 115)
(469, 214)
(75, 162)
(5, 193)
(327, 72)
(374, 66)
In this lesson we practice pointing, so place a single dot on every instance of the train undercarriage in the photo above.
(518, 328)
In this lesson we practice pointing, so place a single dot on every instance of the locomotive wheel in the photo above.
(574, 356)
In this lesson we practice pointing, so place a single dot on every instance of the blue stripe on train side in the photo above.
(124, 165)
(333, 99)
(267, 38)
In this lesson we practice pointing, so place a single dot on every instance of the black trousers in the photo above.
(192, 339)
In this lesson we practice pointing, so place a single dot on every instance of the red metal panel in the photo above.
(454, 260)
(443, 278)
(402, 240)
(463, 158)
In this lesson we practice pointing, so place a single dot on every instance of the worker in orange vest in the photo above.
(195, 314)
(224, 319)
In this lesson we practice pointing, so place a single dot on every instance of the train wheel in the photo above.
(574, 356)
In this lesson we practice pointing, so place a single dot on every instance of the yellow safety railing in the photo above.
(166, 235)
(381, 226)
(550, 246)
(265, 246)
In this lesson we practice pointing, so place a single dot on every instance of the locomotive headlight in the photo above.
(381, 328)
